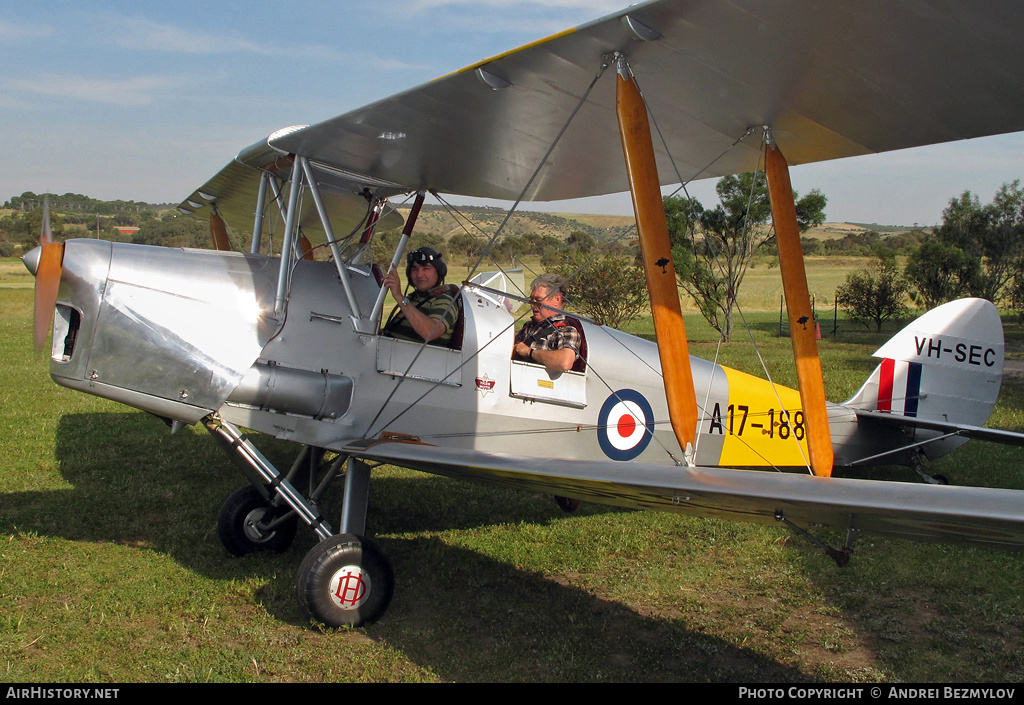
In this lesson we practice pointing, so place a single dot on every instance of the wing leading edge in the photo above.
(973, 515)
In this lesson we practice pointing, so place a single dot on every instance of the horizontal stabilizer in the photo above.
(979, 433)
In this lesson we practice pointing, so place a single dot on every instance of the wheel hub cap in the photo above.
(349, 587)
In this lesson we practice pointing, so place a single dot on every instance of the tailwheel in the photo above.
(243, 521)
(919, 464)
(345, 580)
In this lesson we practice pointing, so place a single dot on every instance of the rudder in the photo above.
(946, 365)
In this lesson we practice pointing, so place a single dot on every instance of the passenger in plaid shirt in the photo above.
(428, 313)
(548, 339)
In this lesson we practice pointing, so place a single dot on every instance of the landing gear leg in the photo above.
(266, 478)
(345, 580)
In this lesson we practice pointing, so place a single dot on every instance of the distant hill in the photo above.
(79, 214)
(76, 202)
(837, 231)
(436, 220)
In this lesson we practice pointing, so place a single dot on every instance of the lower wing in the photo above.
(982, 516)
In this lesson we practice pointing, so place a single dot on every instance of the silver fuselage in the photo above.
(188, 333)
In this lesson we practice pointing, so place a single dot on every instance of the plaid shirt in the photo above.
(439, 305)
(550, 334)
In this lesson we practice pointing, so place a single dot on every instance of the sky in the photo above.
(146, 101)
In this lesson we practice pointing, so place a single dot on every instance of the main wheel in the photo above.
(238, 523)
(567, 504)
(345, 580)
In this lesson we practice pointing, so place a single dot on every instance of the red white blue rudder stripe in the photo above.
(899, 387)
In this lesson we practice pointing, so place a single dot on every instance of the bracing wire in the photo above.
(493, 239)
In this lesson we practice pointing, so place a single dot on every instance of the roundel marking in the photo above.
(625, 425)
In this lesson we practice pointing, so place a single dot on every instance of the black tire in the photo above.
(236, 525)
(345, 581)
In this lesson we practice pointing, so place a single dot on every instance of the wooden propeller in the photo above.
(46, 266)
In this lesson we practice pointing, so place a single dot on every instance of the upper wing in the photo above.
(234, 190)
(917, 511)
(832, 79)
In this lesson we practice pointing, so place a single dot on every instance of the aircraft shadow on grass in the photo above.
(457, 611)
(136, 485)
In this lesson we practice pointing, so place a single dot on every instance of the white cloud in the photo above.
(138, 34)
(139, 90)
(597, 7)
(537, 18)
(9, 102)
(143, 34)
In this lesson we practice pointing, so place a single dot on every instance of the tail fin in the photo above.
(945, 366)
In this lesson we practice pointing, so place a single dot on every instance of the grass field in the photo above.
(111, 570)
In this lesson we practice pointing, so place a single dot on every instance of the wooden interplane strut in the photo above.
(219, 232)
(652, 228)
(801, 317)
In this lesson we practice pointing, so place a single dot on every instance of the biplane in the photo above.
(661, 92)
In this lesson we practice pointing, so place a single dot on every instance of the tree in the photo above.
(713, 249)
(511, 249)
(465, 244)
(874, 295)
(580, 241)
(31, 228)
(940, 272)
(175, 231)
(992, 236)
(611, 289)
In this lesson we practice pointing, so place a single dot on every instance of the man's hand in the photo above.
(393, 284)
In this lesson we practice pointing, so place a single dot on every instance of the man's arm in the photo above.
(426, 327)
(558, 360)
